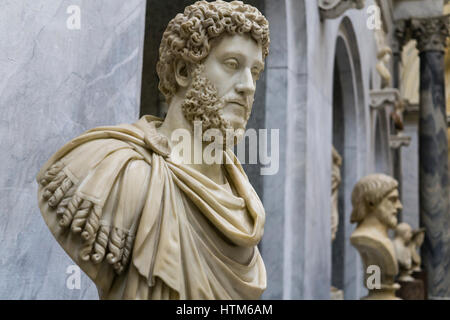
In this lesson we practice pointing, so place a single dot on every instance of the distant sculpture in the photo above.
(406, 243)
(384, 58)
(143, 221)
(416, 242)
(336, 163)
(375, 201)
(384, 54)
(335, 182)
(403, 235)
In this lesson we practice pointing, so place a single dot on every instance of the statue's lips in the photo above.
(238, 109)
(240, 103)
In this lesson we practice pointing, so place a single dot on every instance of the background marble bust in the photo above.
(376, 203)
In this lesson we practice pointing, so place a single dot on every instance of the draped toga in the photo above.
(143, 227)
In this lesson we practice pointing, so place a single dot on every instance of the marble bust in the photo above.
(144, 221)
(375, 202)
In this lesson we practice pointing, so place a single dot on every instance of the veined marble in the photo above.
(55, 84)
(434, 192)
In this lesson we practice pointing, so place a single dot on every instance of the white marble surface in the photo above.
(56, 83)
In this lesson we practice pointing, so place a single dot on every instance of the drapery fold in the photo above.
(142, 226)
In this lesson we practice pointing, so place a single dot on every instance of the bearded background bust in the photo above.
(146, 222)
(376, 203)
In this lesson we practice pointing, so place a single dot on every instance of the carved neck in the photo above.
(372, 222)
(174, 120)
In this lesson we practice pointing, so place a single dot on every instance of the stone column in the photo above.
(431, 35)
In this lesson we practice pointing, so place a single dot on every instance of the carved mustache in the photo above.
(243, 103)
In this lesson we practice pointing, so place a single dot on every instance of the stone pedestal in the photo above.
(385, 293)
(422, 276)
(411, 290)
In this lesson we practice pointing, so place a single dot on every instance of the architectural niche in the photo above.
(331, 9)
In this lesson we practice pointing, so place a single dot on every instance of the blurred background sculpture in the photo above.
(336, 162)
(384, 57)
(402, 241)
(375, 202)
(406, 243)
(335, 183)
(144, 223)
(414, 245)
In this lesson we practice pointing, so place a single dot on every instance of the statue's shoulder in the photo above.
(91, 195)
(370, 238)
(87, 150)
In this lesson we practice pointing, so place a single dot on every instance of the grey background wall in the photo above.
(56, 83)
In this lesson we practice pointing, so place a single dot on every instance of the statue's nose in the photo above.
(246, 85)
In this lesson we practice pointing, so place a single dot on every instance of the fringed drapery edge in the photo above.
(83, 217)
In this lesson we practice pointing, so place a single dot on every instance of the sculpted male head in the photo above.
(376, 195)
(190, 45)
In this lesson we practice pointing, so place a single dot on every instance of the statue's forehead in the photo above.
(392, 193)
(241, 43)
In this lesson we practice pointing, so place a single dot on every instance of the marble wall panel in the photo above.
(56, 83)
(276, 75)
(410, 173)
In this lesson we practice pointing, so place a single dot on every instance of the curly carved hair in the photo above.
(370, 191)
(188, 36)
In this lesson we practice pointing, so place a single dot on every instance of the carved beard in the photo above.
(202, 104)
(388, 219)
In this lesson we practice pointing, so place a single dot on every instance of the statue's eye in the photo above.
(256, 73)
(232, 63)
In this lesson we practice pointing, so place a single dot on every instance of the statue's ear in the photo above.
(182, 74)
